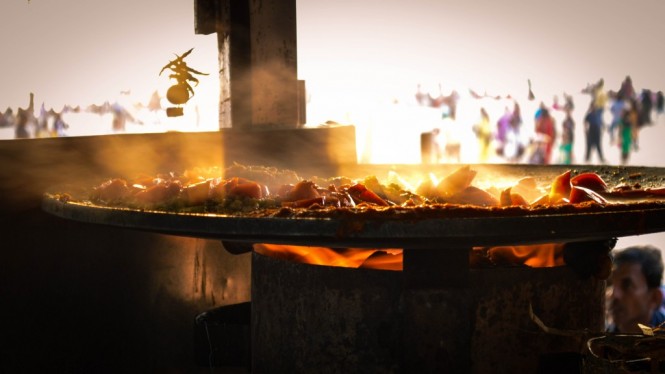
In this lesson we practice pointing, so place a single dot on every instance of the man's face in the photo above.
(631, 302)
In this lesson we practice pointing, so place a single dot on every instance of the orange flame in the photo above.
(383, 259)
(542, 255)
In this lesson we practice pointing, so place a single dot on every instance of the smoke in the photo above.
(131, 155)
(274, 95)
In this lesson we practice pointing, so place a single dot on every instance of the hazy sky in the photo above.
(80, 52)
(560, 45)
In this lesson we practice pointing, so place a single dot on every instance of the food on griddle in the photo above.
(257, 190)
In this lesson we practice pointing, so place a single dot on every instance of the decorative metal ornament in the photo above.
(182, 91)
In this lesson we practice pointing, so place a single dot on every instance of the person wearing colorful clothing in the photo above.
(483, 132)
(545, 134)
(628, 129)
(567, 138)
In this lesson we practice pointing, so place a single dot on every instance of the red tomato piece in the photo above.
(159, 193)
(197, 193)
(589, 180)
(244, 188)
(111, 190)
(303, 190)
(580, 194)
(362, 193)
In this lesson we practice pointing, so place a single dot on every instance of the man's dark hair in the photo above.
(649, 258)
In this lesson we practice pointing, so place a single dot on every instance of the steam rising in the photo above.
(148, 154)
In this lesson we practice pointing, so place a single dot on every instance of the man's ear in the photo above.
(656, 297)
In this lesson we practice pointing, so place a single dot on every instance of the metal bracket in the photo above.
(436, 268)
(237, 248)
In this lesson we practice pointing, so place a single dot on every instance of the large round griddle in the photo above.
(377, 232)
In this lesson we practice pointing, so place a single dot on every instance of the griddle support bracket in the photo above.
(237, 248)
(436, 268)
(436, 283)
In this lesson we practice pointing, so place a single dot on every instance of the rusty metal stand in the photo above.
(437, 311)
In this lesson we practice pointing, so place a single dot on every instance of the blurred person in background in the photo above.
(635, 296)
(450, 137)
(627, 90)
(660, 103)
(59, 125)
(21, 129)
(617, 110)
(7, 118)
(483, 132)
(593, 128)
(42, 130)
(120, 117)
(545, 136)
(422, 98)
(514, 145)
(628, 127)
(567, 137)
(502, 128)
(646, 106)
(25, 119)
(593, 119)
